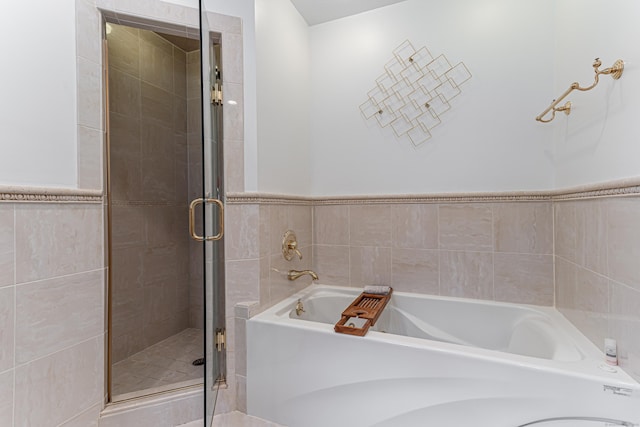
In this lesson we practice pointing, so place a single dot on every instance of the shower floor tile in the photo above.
(165, 363)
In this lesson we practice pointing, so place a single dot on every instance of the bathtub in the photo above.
(430, 361)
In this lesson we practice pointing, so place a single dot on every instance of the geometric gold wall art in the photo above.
(413, 92)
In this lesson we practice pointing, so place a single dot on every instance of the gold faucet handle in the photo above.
(290, 245)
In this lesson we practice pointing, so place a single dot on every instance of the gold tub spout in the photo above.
(294, 274)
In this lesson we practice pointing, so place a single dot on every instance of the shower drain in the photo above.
(198, 362)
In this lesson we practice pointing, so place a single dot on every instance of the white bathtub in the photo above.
(430, 361)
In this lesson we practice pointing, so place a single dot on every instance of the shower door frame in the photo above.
(164, 27)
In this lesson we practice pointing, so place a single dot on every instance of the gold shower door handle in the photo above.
(192, 220)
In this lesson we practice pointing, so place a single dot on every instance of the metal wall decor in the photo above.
(414, 91)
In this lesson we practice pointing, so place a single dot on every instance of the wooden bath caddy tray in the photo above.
(367, 307)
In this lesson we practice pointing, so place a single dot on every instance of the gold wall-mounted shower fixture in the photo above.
(290, 246)
(615, 71)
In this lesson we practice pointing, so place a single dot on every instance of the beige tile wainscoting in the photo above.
(575, 249)
(52, 299)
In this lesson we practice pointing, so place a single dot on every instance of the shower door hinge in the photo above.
(221, 339)
(216, 94)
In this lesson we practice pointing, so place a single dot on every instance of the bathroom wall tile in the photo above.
(264, 230)
(301, 221)
(370, 266)
(124, 94)
(234, 165)
(156, 61)
(6, 245)
(88, 31)
(127, 225)
(241, 393)
(623, 235)
(127, 266)
(7, 329)
(56, 240)
(194, 152)
(565, 227)
(523, 227)
(233, 118)
(415, 270)
(181, 160)
(242, 224)
(624, 325)
(565, 284)
(224, 23)
(232, 67)
(194, 119)
(591, 235)
(242, 282)
(53, 389)
(124, 49)
(331, 263)
(159, 263)
(465, 227)
(265, 281)
(180, 72)
(90, 149)
(57, 313)
(158, 163)
(88, 418)
(159, 299)
(89, 96)
(591, 306)
(279, 223)
(415, 226)
(466, 274)
(156, 105)
(126, 345)
(193, 75)
(127, 313)
(125, 157)
(165, 225)
(6, 398)
(523, 278)
(241, 346)
(180, 115)
(280, 286)
(331, 225)
(370, 225)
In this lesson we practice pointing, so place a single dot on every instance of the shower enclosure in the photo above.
(164, 210)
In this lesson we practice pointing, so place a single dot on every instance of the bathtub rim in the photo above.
(590, 367)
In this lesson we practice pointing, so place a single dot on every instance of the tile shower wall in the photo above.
(495, 251)
(598, 274)
(149, 181)
(256, 271)
(51, 311)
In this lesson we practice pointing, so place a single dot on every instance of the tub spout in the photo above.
(294, 274)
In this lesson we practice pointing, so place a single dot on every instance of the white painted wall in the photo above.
(284, 85)
(489, 141)
(38, 94)
(600, 139)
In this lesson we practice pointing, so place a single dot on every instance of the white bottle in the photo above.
(610, 351)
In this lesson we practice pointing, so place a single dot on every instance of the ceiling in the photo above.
(319, 11)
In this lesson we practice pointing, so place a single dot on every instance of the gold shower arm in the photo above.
(615, 71)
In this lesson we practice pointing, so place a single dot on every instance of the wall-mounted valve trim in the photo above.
(290, 245)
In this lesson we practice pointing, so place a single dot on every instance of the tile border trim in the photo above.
(618, 188)
(49, 195)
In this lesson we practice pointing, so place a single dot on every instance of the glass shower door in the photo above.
(214, 292)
